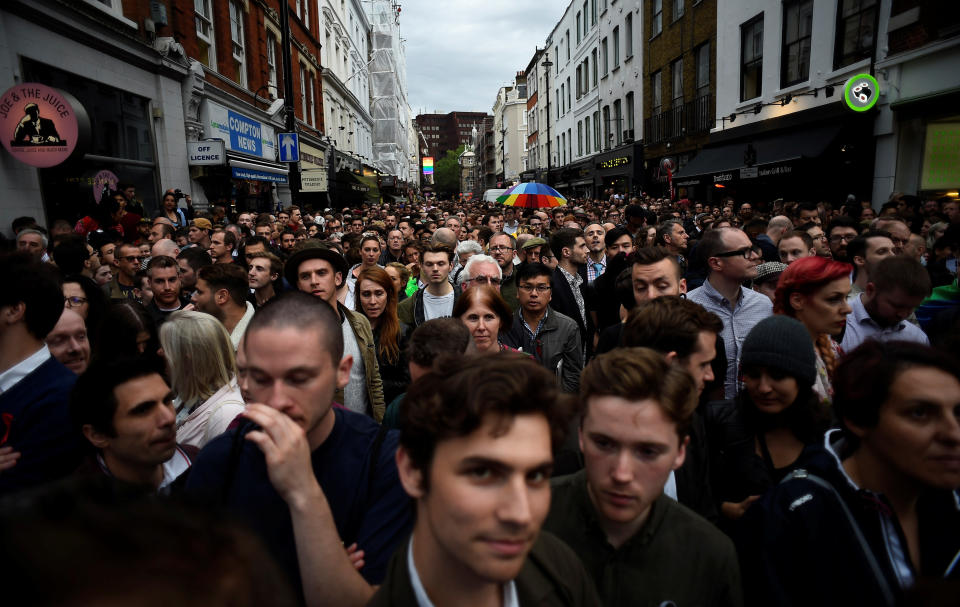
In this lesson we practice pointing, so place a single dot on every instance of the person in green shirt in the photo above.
(640, 546)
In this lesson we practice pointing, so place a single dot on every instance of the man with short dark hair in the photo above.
(632, 538)
(222, 245)
(840, 233)
(550, 337)
(124, 409)
(475, 454)
(568, 292)
(319, 270)
(222, 292)
(731, 259)
(794, 245)
(870, 514)
(159, 231)
(190, 261)
(307, 477)
(438, 297)
(127, 262)
(672, 236)
(288, 239)
(503, 248)
(594, 234)
(262, 272)
(897, 287)
(37, 443)
(164, 277)
(808, 212)
(865, 252)
(68, 341)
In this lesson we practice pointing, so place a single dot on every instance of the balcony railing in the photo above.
(690, 118)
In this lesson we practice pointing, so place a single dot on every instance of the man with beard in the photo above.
(840, 233)
(569, 282)
(503, 249)
(222, 292)
(190, 261)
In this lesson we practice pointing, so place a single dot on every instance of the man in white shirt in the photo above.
(437, 298)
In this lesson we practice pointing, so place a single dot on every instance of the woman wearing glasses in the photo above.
(814, 291)
(485, 314)
(376, 298)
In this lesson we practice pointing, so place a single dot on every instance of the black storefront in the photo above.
(822, 154)
(619, 171)
(349, 187)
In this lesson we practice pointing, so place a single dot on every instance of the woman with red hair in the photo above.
(814, 291)
(376, 298)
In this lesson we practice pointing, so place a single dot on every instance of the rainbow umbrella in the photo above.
(531, 195)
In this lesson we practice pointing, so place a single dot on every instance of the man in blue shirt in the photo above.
(897, 286)
(731, 259)
(307, 477)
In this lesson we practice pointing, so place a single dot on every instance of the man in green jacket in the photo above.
(640, 546)
(476, 453)
(316, 269)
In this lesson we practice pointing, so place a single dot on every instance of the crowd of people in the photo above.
(619, 401)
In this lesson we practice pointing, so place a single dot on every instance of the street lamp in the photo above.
(547, 64)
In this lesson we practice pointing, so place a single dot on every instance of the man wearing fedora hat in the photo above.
(320, 271)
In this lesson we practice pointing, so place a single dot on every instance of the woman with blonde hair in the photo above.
(203, 374)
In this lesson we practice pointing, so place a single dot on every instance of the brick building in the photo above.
(447, 132)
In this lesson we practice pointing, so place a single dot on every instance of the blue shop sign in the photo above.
(252, 175)
(240, 133)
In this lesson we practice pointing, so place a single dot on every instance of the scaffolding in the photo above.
(388, 89)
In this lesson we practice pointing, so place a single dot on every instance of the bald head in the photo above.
(445, 236)
(164, 247)
(777, 226)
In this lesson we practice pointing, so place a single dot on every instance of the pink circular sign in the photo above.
(38, 125)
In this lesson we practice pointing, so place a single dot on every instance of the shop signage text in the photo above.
(38, 124)
(200, 153)
(772, 171)
(748, 173)
(240, 133)
(613, 162)
(314, 169)
(723, 177)
(252, 175)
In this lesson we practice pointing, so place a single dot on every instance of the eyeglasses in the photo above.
(500, 248)
(745, 252)
(73, 302)
(132, 258)
(842, 237)
(484, 280)
(532, 288)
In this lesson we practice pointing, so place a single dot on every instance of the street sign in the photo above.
(861, 92)
(289, 146)
(201, 153)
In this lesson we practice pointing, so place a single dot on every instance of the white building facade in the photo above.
(510, 129)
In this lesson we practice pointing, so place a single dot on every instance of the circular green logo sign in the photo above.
(861, 92)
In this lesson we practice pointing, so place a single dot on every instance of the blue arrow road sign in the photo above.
(289, 146)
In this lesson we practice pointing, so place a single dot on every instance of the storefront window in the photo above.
(121, 145)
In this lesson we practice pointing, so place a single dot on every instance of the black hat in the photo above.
(311, 249)
(782, 343)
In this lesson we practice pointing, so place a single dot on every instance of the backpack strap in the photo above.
(871, 559)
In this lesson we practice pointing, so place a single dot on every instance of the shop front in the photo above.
(619, 171)
(348, 188)
(249, 177)
(314, 175)
(578, 179)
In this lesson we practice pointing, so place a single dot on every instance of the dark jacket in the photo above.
(676, 558)
(410, 310)
(557, 347)
(508, 290)
(799, 547)
(564, 302)
(550, 576)
(395, 375)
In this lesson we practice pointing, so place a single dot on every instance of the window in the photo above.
(579, 138)
(856, 31)
(795, 55)
(556, 158)
(593, 12)
(616, 47)
(568, 45)
(594, 55)
(607, 136)
(678, 9)
(313, 104)
(676, 76)
(559, 100)
(655, 81)
(596, 131)
(605, 52)
(303, 92)
(630, 111)
(578, 27)
(628, 34)
(579, 81)
(570, 144)
(751, 58)
(569, 95)
(586, 129)
(657, 25)
(586, 18)
(556, 59)
(272, 65)
(618, 121)
(563, 146)
(563, 109)
(239, 64)
(306, 13)
(203, 20)
(702, 54)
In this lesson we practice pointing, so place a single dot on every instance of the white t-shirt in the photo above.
(437, 307)
(355, 392)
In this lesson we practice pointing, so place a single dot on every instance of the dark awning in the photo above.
(770, 149)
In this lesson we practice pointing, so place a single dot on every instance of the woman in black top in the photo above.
(376, 298)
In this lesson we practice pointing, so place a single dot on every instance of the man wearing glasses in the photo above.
(503, 248)
(731, 259)
(127, 262)
(840, 233)
(482, 270)
(549, 336)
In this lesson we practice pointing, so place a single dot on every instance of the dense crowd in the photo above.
(616, 401)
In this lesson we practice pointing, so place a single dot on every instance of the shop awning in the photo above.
(253, 170)
(770, 149)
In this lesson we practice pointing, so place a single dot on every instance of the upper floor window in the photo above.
(676, 75)
(678, 8)
(203, 20)
(606, 54)
(628, 34)
(856, 31)
(568, 45)
(272, 65)
(238, 52)
(751, 58)
(656, 26)
(616, 47)
(655, 92)
(579, 19)
(795, 54)
(702, 54)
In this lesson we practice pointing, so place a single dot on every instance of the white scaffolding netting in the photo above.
(388, 89)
